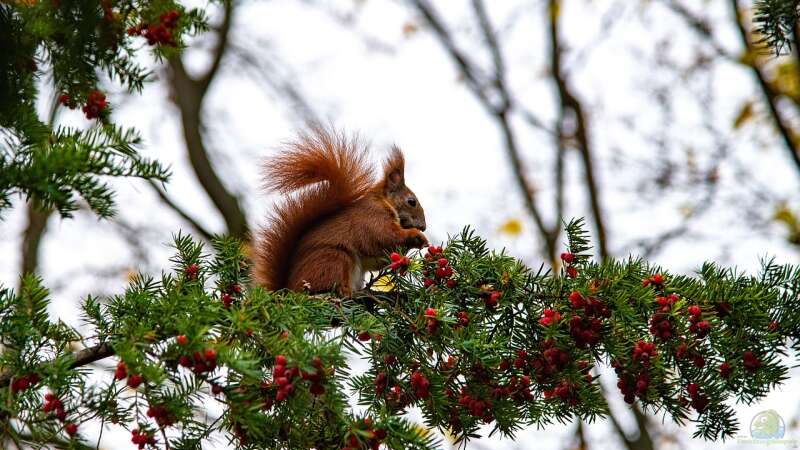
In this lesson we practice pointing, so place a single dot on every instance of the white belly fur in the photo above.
(357, 274)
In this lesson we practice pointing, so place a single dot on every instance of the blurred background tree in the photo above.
(667, 123)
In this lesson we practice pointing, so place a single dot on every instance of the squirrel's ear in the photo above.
(394, 171)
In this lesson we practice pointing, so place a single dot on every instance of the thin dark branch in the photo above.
(207, 235)
(698, 24)
(189, 99)
(497, 54)
(500, 113)
(82, 358)
(572, 110)
(770, 96)
(223, 34)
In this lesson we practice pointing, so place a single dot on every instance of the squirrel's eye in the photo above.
(412, 202)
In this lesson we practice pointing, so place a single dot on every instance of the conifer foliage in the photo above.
(77, 47)
(471, 337)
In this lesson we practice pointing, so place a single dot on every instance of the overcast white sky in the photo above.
(409, 93)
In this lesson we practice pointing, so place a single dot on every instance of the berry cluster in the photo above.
(440, 266)
(699, 401)
(585, 329)
(161, 415)
(399, 263)
(656, 280)
(316, 377)
(569, 259)
(142, 438)
(95, 105)
(750, 361)
(67, 100)
(191, 271)
(200, 363)
(24, 382)
(282, 377)
(462, 320)
(432, 323)
(234, 290)
(661, 323)
(565, 391)
(158, 34)
(549, 317)
(53, 405)
(420, 384)
(549, 363)
(475, 406)
(635, 380)
(134, 380)
(632, 384)
(725, 370)
(363, 435)
(698, 326)
(490, 297)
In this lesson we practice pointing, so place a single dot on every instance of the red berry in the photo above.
(694, 310)
(568, 257)
(395, 257)
(95, 104)
(134, 381)
(185, 361)
(317, 389)
(280, 360)
(364, 336)
(181, 340)
(227, 300)
(210, 354)
(71, 429)
(216, 389)
(572, 272)
(191, 271)
(430, 312)
(725, 370)
(657, 279)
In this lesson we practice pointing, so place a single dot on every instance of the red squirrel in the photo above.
(337, 221)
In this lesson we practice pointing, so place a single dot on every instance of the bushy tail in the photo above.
(330, 170)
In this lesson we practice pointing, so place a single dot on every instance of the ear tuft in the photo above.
(394, 170)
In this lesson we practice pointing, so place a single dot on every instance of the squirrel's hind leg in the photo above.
(326, 270)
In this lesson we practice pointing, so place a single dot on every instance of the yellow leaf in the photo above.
(421, 430)
(409, 28)
(383, 284)
(784, 214)
(785, 79)
(555, 10)
(745, 114)
(512, 227)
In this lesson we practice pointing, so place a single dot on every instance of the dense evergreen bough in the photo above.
(471, 337)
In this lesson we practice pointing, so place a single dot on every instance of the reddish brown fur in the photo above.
(341, 218)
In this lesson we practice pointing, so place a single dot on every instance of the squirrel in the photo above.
(337, 221)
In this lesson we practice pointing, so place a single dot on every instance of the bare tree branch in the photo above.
(223, 35)
(572, 111)
(500, 113)
(207, 235)
(32, 237)
(770, 96)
